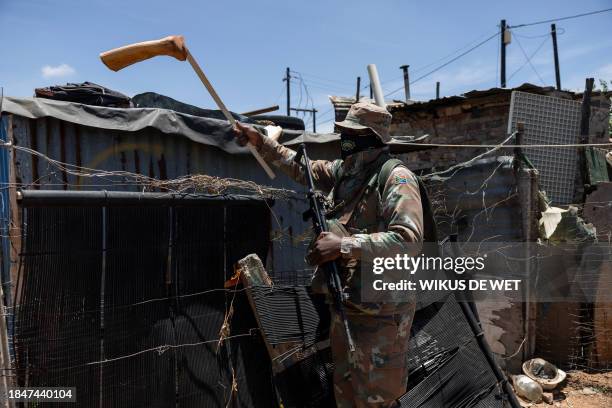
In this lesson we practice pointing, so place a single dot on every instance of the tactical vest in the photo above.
(379, 179)
(376, 182)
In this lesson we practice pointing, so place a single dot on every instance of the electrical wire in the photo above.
(448, 62)
(560, 31)
(279, 95)
(475, 47)
(331, 85)
(320, 78)
(561, 18)
(323, 122)
(309, 100)
(423, 67)
(528, 59)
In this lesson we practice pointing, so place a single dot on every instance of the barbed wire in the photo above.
(195, 182)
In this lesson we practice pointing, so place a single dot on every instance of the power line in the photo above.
(528, 59)
(423, 67)
(448, 62)
(280, 94)
(320, 78)
(561, 18)
(560, 31)
(321, 85)
(332, 109)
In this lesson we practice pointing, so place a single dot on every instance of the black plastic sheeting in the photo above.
(111, 303)
(447, 367)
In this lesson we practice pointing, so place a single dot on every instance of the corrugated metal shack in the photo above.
(98, 270)
(489, 198)
(151, 152)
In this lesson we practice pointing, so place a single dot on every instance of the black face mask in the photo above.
(351, 144)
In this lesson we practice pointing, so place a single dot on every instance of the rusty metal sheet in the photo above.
(598, 210)
(154, 154)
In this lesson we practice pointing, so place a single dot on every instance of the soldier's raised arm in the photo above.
(282, 157)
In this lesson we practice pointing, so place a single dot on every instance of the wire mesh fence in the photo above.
(126, 303)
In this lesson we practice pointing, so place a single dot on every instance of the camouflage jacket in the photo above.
(379, 225)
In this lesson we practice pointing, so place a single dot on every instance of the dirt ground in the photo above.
(581, 390)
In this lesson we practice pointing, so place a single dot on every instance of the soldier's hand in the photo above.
(326, 248)
(247, 134)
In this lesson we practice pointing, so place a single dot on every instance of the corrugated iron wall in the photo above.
(158, 155)
(483, 203)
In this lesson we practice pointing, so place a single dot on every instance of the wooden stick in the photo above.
(226, 113)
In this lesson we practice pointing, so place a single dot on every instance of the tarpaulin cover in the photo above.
(207, 130)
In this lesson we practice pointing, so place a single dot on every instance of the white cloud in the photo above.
(604, 72)
(575, 82)
(61, 70)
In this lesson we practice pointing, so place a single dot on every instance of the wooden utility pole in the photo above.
(288, 80)
(437, 89)
(518, 141)
(358, 89)
(406, 81)
(313, 112)
(553, 33)
(586, 111)
(503, 53)
(585, 118)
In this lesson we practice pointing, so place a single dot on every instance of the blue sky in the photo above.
(245, 46)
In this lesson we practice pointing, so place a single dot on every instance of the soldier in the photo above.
(367, 220)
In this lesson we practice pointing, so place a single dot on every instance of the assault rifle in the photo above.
(317, 215)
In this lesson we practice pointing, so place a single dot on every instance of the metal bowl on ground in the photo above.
(544, 373)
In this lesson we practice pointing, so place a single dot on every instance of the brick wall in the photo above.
(464, 122)
(481, 117)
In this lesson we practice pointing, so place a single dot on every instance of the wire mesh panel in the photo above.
(549, 120)
(136, 312)
(126, 301)
(200, 265)
(57, 323)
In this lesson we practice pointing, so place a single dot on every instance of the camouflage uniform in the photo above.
(376, 373)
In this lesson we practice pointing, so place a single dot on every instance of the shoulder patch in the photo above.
(401, 175)
(401, 180)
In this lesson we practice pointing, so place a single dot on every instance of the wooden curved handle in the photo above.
(119, 58)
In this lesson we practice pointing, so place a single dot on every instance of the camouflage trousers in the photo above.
(376, 374)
